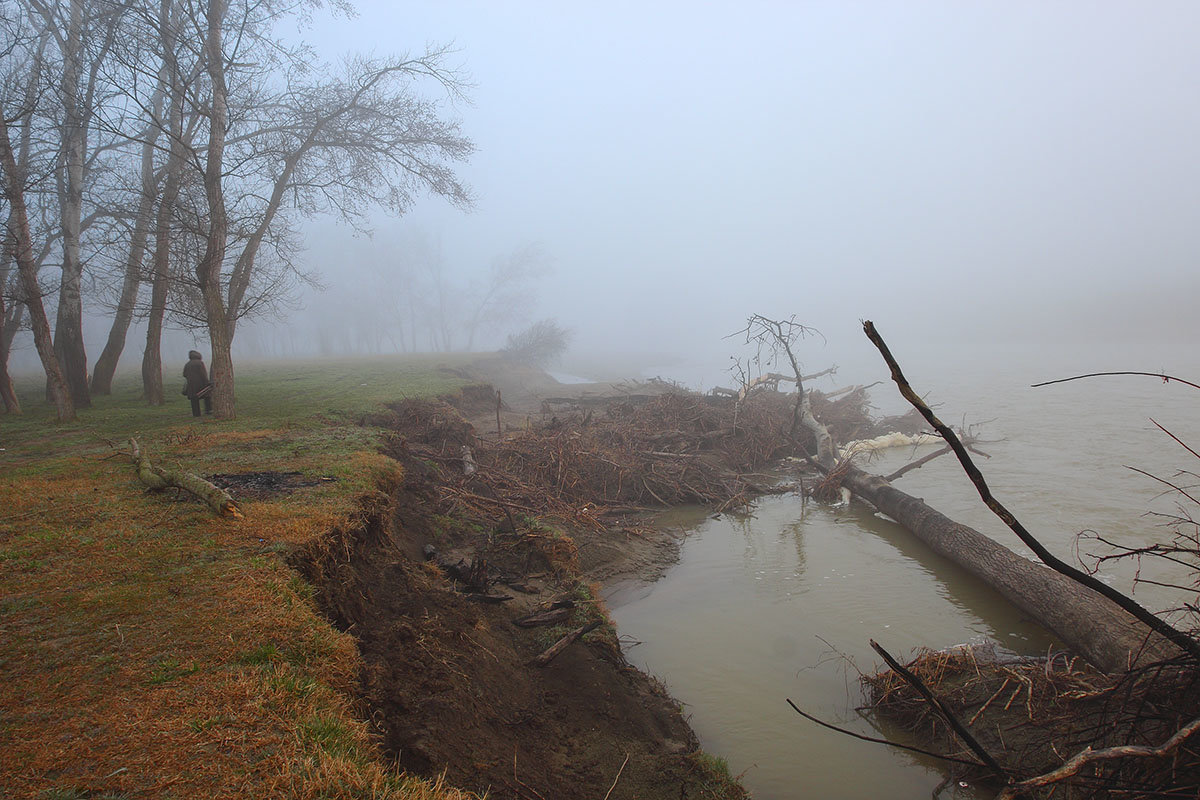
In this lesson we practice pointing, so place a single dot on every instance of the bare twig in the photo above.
(945, 712)
(1182, 640)
(1176, 438)
(920, 462)
(1165, 378)
(888, 742)
(614, 783)
(1088, 756)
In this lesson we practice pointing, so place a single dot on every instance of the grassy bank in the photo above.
(154, 650)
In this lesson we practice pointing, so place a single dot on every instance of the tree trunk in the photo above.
(10, 321)
(1091, 625)
(239, 280)
(21, 242)
(208, 271)
(1107, 636)
(68, 328)
(152, 381)
(106, 364)
(8, 393)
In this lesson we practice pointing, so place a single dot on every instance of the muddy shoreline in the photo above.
(449, 686)
(530, 500)
(520, 497)
(449, 681)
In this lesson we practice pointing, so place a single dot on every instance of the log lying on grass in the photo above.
(157, 478)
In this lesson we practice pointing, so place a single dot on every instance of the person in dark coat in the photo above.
(197, 383)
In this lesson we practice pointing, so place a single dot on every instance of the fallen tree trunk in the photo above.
(1092, 625)
(1105, 635)
(1178, 640)
(157, 478)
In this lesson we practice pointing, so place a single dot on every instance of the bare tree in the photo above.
(233, 135)
(19, 96)
(147, 194)
(505, 289)
(83, 31)
(776, 338)
(541, 344)
(343, 144)
(12, 312)
(20, 243)
(180, 129)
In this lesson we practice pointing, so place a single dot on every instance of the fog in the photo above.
(980, 177)
(976, 174)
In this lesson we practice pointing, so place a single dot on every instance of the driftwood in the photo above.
(1107, 635)
(599, 401)
(1109, 629)
(552, 617)
(1089, 757)
(552, 652)
(482, 597)
(771, 380)
(854, 387)
(1091, 625)
(157, 479)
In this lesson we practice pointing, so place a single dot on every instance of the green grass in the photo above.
(80, 794)
(183, 635)
(717, 783)
(166, 670)
(305, 398)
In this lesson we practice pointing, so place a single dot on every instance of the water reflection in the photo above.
(771, 605)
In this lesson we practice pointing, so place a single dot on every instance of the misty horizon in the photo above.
(1003, 178)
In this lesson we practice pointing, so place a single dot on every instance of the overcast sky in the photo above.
(999, 172)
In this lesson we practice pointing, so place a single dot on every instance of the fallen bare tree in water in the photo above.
(1128, 732)
(1108, 629)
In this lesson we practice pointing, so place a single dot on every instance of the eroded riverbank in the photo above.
(499, 516)
(494, 526)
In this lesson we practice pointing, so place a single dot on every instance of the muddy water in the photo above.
(781, 603)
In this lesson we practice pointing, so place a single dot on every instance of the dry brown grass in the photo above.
(152, 649)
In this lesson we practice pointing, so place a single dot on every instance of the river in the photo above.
(780, 602)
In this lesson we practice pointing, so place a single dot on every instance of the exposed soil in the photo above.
(519, 501)
(261, 485)
(447, 678)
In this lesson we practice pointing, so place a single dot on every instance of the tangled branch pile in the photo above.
(1032, 714)
(584, 464)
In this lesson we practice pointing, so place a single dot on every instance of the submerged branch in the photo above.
(876, 740)
(1177, 637)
